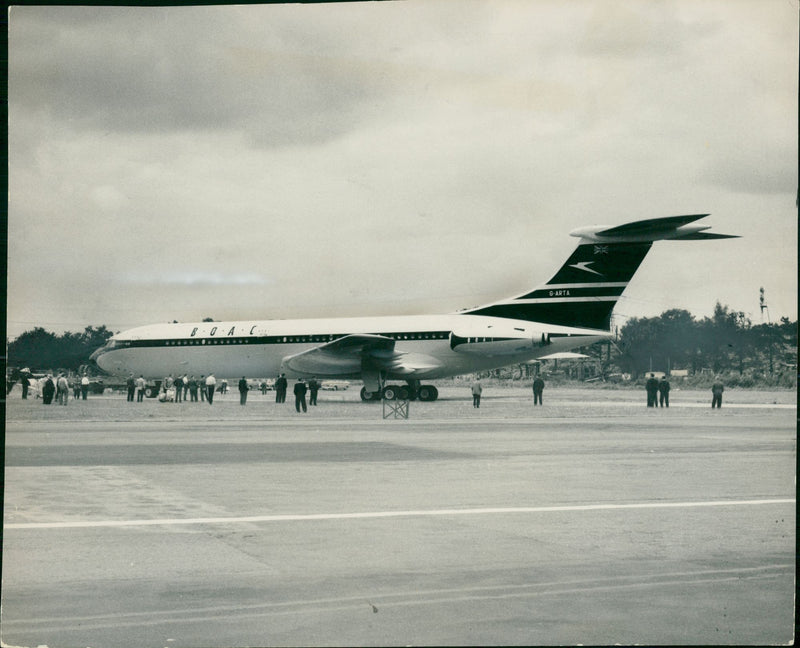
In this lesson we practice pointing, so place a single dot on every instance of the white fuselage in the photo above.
(436, 346)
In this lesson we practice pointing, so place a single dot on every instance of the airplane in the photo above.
(571, 310)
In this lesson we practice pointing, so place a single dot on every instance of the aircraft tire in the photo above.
(369, 396)
(390, 392)
(403, 393)
(428, 393)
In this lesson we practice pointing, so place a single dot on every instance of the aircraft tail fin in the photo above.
(586, 288)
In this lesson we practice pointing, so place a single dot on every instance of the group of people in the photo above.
(175, 390)
(657, 391)
(185, 388)
(301, 388)
(58, 388)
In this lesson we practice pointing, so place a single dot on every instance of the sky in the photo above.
(290, 161)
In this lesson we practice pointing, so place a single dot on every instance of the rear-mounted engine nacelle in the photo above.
(496, 342)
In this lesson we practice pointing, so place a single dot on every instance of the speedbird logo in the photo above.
(582, 266)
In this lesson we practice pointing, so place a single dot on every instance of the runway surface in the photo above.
(193, 525)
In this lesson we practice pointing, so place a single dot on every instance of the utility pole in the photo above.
(763, 304)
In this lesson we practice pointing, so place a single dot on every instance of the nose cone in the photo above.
(97, 353)
(100, 356)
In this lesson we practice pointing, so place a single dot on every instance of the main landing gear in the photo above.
(412, 391)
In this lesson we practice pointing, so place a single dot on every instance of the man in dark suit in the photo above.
(300, 395)
(652, 389)
(243, 391)
(313, 388)
(663, 392)
(280, 389)
(716, 394)
(538, 388)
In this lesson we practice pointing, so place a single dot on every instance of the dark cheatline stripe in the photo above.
(224, 340)
(588, 314)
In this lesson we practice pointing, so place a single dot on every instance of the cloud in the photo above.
(158, 70)
(196, 279)
(357, 158)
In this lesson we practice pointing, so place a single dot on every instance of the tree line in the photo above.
(40, 349)
(727, 342)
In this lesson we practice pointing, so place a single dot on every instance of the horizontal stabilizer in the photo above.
(651, 225)
(670, 228)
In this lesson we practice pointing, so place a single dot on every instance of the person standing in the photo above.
(178, 389)
(716, 394)
(48, 390)
(202, 386)
(652, 389)
(242, 391)
(25, 381)
(141, 385)
(280, 389)
(313, 388)
(211, 385)
(538, 388)
(192, 384)
(300, 395)
(185, 387)
(477, 390)
(62, 387)
(84, 386)
(130, 384)
(663, 392)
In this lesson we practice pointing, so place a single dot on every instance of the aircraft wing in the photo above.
(353, 354)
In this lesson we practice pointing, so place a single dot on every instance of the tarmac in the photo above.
(590, 520)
